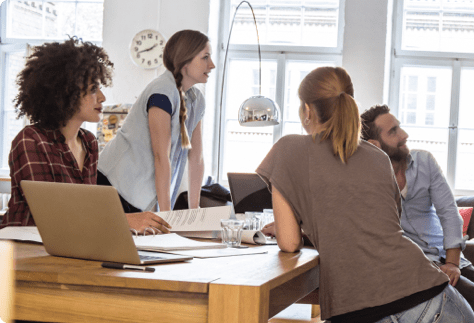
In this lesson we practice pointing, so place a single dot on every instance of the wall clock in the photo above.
(146, 49)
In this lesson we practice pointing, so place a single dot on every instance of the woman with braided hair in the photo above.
(146, 160)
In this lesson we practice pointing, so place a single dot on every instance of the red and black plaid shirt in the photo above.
(42, 155)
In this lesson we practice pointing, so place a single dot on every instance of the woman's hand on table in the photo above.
(143, 220)
(269, 230)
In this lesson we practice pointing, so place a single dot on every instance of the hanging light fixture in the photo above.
(256, 111)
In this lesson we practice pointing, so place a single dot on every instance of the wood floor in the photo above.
(296, 313)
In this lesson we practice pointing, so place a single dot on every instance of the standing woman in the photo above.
(342, 192)
(146, 160)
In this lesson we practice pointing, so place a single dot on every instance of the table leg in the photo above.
(236, 304)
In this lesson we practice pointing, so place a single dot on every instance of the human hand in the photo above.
(452, 271)
(143, 220)
(269, 229)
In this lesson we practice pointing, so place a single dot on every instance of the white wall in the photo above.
(365, 48)
(124, 18)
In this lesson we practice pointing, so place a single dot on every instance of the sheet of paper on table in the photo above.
(204, 219)
(30, 234)
(215, 253)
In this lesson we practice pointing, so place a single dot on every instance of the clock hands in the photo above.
(148, 49)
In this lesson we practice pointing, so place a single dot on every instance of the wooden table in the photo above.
(250, 288)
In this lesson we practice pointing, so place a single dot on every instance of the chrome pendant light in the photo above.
(256, 111)
(259, 111)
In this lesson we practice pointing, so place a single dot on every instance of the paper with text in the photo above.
(205, 219)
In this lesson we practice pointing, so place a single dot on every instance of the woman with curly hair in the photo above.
(59, 89)
(162, 131)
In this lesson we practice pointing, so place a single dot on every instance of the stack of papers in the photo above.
(189, 220)
(172, 242)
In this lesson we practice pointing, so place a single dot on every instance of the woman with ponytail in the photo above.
(342, 193)
(145, 161)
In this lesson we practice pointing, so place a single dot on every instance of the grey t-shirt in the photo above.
(350, 212)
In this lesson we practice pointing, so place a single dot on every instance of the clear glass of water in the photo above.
(232, 232)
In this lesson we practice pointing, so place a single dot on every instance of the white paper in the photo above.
(216, 234)
(256, 237)
(22, 233)
(172, 241)
(215, 253)
(205, 219)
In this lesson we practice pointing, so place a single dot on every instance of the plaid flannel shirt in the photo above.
(43, 155)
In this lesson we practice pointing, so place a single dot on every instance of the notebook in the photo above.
(249, 192)
(86, 222)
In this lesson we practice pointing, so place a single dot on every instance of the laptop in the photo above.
(249, 192)
(86, 222)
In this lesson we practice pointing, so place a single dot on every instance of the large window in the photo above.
(296, 37)
(30, 23)
(433, 66)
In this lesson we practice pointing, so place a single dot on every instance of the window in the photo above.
(35, 22)
(433, 69)
(290, 50)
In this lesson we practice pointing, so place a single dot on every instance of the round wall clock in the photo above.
(146, 49)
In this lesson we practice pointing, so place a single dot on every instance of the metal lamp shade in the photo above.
(259, 111)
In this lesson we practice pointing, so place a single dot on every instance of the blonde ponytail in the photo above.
(343, 127)
(329, 91)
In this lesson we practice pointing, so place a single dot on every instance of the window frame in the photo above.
(456, 61)
(8, 45)
(282, 54)
(5, 49)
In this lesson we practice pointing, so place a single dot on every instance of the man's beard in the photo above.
(396, 154)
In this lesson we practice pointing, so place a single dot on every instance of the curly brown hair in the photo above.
(55, 78)
(369, 129)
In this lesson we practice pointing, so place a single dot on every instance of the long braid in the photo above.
(180, 50)
(183, 112)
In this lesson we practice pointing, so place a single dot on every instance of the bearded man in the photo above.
(429, 213)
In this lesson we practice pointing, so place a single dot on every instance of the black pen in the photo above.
(124, 266)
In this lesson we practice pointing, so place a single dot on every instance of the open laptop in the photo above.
(249, 192)
(86, 222)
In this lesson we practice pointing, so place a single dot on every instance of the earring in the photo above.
(306, 121)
